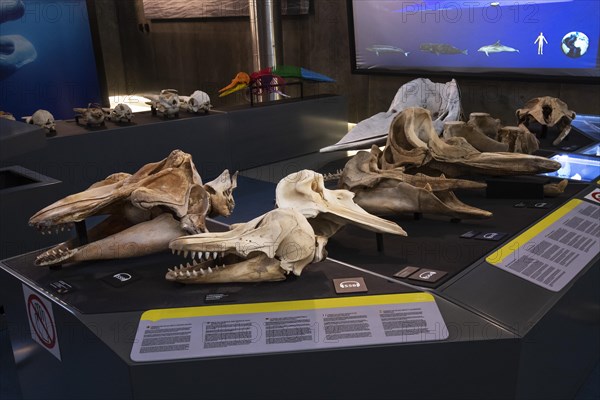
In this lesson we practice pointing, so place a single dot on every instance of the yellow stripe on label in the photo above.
(297, 305)
(512, 246)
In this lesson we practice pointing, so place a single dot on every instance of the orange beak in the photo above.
(241, 81)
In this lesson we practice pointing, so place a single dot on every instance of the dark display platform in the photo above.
(506, 336)
(92, 295)
(17, 138)
(434, 242)
(95, 347)
(576, 139)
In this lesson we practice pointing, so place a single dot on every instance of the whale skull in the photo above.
(327, 210)
(547, 111)
(413, 143)
(392, 191)
(161, 201)
(266, 248)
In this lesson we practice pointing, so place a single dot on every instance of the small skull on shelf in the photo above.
(43, 119)
(93, 115)
(121, 113)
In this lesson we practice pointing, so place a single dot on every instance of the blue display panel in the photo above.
(46, 57)
(576, 167)
(538, 38)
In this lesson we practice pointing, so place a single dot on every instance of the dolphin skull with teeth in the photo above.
(265, 249)
(278, 243)
(161, 201)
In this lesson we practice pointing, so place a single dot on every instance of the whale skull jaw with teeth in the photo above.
(160, 202)
(266, 248)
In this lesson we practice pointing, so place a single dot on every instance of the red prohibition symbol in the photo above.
(596, 196)
(41, 321)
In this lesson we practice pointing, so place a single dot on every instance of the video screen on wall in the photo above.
(47, 58)
(496, 38)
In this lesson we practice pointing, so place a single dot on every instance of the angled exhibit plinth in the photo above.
(118, 329)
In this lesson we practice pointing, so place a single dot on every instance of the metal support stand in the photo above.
(81, 231)
(379, 239)
(258, 91)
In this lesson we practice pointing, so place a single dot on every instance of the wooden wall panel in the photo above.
(205, 54)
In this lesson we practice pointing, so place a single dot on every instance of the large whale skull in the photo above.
(160, 202)
(413, 143)
(392, 191)
(267, 248)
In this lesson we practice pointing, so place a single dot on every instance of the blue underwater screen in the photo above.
(494, 37)
(46, 57)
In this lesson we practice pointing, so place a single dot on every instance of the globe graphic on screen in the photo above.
(575, 44)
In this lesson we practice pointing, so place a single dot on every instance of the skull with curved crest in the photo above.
(392, 191)
(412, 143)
(160, 202)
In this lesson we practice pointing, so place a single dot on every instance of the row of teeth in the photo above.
(207, 255)
(179, 271)
(57, 229)
(57, 253)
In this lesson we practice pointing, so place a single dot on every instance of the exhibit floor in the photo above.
(9, 389)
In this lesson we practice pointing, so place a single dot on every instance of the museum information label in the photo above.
(556, 249)
(222, 330)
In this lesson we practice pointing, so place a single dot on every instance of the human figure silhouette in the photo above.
(540, 42)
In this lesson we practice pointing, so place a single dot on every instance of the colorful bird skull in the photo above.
(547, 111)
(241, 81)
(265, 249)
(161, 201)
